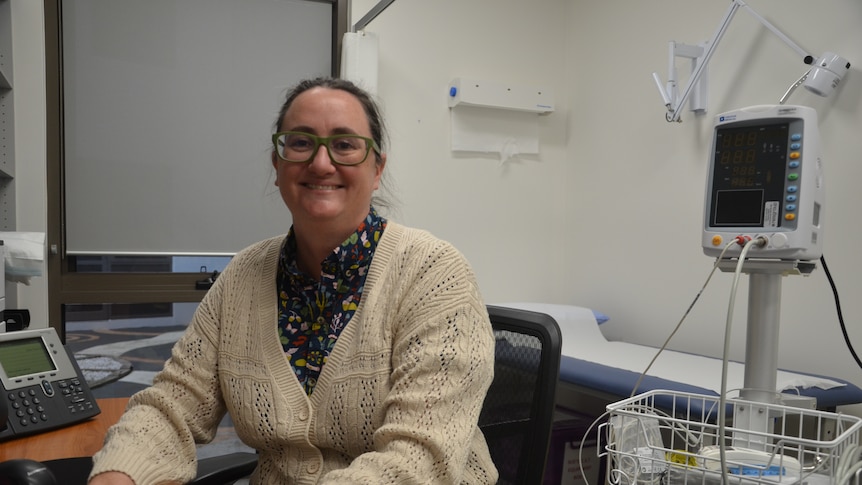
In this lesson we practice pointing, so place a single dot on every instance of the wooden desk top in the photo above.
(82, 439)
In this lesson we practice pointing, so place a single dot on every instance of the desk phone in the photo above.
(42, 385)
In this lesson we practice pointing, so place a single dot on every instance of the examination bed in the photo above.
(595, 372)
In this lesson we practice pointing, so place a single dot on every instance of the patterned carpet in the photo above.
(143, 349)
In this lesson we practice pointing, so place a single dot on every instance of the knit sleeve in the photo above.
(155, 439)
(442, 366)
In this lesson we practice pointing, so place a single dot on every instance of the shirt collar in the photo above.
(351, 257)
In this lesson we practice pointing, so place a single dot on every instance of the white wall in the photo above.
(513, 221)
(609, 214)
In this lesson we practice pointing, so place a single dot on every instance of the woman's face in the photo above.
(320, 191)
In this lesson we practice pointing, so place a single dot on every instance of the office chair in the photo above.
(516, 418)
(518, 413)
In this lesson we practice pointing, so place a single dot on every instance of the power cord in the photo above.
(633, 474)
(722, 398)
(848, 465)
(747, 243)
(684, 316)
(583, 442)
(638, 442)
(838, 309)
(850, 461)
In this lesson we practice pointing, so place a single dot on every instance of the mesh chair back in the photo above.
(517, 416)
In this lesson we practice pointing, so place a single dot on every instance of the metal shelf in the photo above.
(7, 121)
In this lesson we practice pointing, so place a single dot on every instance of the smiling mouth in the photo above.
(321, 187)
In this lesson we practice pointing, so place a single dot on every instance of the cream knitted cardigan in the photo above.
(397, 401)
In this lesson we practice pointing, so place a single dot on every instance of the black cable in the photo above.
(840, 315)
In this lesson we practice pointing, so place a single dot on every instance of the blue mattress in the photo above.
(620, 383)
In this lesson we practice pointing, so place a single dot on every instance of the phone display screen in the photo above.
(24, 357)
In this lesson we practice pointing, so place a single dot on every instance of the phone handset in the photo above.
(4, 415)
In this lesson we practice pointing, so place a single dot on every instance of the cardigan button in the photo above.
(313, 467)
(303, 414)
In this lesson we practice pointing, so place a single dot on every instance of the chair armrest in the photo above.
(219, 470)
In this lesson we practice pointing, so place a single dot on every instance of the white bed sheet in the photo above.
(583, 339)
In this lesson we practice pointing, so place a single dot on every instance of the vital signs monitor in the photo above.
(765, 179)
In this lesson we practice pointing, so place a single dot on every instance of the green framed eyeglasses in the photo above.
(299, 147)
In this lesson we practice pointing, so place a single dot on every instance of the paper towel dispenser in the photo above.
(489, 94)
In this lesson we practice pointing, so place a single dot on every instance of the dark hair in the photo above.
(372, 111)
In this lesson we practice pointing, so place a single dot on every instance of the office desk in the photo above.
(82, 439)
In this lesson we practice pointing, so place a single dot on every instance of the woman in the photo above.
(395, 401)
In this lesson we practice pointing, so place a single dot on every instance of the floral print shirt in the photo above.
(313, 310)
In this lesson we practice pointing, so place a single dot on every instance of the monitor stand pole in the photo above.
(761, 346)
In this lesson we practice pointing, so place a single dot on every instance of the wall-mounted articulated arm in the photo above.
(830, 68)
(371, 15)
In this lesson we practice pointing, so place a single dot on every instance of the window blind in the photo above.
(168, 111)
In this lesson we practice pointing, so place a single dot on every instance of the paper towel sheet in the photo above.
(490, 130)
(359, 59)
(25, 254)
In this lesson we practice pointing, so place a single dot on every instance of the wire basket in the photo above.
(667, 437)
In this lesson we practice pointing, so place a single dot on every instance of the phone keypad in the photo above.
(32, 408)
(27, 407)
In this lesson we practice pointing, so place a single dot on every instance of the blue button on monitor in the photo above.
(795, 146)
(790, 198)
(790, 207)
(792, 188)
(796, 136)
(793, 164)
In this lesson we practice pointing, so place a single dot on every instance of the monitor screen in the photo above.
(24, 357)
(738, 208)
(748, 181)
